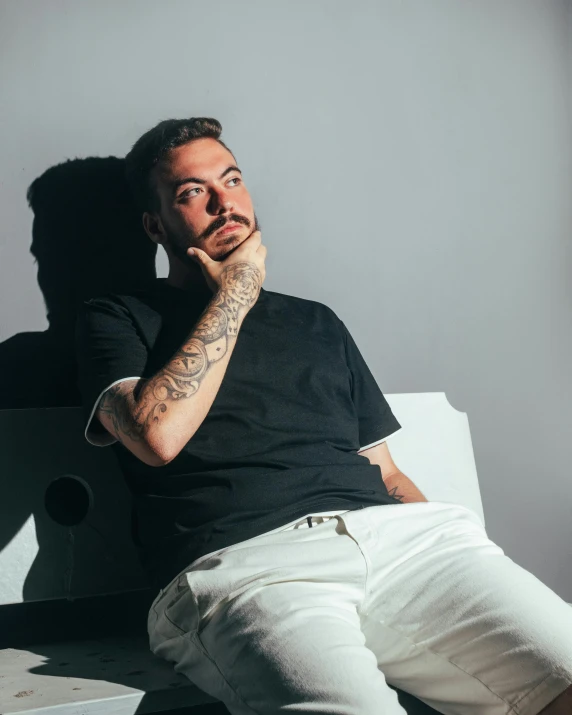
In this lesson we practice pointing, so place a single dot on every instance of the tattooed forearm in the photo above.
(182, 376)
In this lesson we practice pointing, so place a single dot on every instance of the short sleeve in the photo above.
(109, 350)
(376, 420)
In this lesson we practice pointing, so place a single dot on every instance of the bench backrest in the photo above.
(50, 478)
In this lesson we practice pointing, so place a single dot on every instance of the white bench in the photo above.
(44, 561)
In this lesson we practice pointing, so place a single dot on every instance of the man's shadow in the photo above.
(88, 240)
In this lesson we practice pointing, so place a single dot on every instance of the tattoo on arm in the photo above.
(133, 414)
(393, 493)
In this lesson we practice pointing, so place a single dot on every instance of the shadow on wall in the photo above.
(88, 241)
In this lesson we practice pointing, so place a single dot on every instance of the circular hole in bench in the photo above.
(68, 500)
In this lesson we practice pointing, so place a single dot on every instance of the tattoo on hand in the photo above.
(242, 282)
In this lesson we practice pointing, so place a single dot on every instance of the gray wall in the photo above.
(411, 165)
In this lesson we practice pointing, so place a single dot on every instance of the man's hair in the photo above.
(154, 145)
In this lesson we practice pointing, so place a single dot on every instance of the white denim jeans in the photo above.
(320, 620)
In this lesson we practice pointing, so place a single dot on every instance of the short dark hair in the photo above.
(154, 145)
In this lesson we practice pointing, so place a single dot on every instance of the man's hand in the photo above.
(242, 272)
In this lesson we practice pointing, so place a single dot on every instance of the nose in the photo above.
(220, 203)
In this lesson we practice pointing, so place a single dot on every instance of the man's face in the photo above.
(201, 192)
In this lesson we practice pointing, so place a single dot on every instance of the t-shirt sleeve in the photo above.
(109, 350)
(376, 420)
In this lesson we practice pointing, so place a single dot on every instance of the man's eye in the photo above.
(188, 192)
(236, 178)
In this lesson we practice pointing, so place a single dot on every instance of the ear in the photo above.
(154, 227)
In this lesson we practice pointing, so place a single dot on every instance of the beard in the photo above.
(180, 241)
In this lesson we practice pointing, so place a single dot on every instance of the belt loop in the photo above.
(309, 520)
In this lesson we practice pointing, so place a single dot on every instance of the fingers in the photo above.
(198, 255)
(252, 243)
(254, 240)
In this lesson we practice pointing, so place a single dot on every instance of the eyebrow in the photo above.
(196, 180)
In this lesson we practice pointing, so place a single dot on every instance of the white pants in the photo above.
(320, 620)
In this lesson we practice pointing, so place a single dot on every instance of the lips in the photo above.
(229, 228)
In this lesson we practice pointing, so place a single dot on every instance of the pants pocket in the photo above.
(175, 613)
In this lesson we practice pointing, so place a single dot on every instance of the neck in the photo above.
(186, 276)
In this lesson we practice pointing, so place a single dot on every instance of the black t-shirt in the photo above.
(281, 439)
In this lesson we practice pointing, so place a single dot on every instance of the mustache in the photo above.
(219, 222)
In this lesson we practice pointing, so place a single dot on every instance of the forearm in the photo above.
(161, 413)
(402, 488)
(172, 405)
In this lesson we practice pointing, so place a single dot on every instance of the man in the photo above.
(297, 568)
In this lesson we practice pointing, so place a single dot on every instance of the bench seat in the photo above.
(109, 676)
(115, 676)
